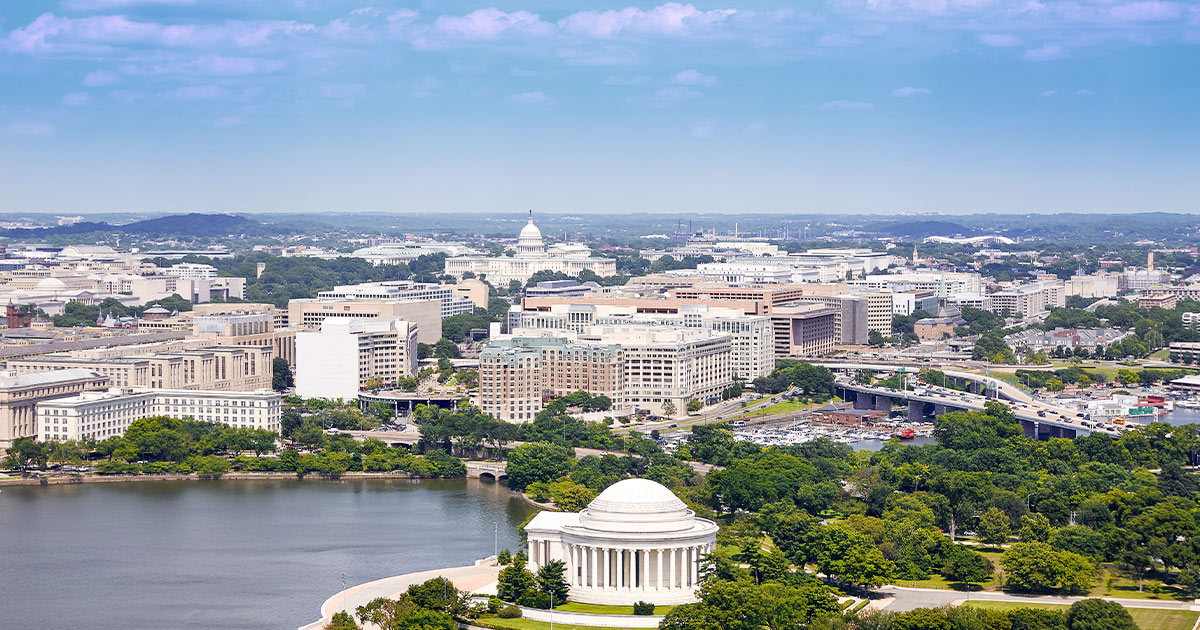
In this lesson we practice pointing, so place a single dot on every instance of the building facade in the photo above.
(341, 357)
(403, 290)
(102, 414)
(21, 393)
(531, 257)
(223, 368)
(426, 314)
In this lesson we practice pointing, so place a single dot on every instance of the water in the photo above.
(1181, 416)
(229, 554)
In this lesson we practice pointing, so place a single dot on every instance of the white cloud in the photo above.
(367, 11)
(694, 77)
(77, 99)
(703, 128)
(1049, 52)
(229, 121)
(197, 93)
(999, 40)
(671, 18)
(491, 23)
(30, 129)
(640, 79)
(531, 99)
(99, 78)
(1048, 93)
(1147, 11)
(675, 93)
(847, 106)
(108, 5)
(908, 90)
(49, 33)
(838, 40)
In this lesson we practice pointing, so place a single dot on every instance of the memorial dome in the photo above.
(637, 505)
(529, 241)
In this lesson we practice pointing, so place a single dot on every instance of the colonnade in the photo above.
(601, 568)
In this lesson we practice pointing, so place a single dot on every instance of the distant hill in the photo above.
(194, 224)
(921, 229)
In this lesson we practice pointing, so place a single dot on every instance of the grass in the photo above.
(937, 581)
(1127, 588)
(604, 609)
(1144, 617)
(529, 624)
(785, 406)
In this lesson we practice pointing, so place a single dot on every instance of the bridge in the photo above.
(494, 471)
(1039, 420)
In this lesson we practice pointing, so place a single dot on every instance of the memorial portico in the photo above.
(635, 542)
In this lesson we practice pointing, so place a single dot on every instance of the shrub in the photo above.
(643, 608)
(509, 612)
(495, 604)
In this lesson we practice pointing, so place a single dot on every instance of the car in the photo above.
(673, 425)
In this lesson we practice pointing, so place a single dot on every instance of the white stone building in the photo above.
(403, 290)
(531, 257)
(635, 542)
(104, 414)
(338, 360)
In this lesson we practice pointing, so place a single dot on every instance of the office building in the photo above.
(345, 354)
(224, 368)
(403, 290)
(21, 393)
(426, 314)
(804, 330)
(99, 415)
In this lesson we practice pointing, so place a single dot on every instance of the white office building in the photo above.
(339, 359)
(191, 270)
(104, 414)
(403, 290)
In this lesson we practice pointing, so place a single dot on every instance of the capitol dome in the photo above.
(635, 542)
(529, 242)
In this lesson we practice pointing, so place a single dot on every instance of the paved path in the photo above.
(478, 578)
(904, 598)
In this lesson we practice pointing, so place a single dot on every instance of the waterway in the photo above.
(230, 554)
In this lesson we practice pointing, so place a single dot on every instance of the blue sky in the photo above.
(954, 106)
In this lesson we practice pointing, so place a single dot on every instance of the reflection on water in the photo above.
(230, 554)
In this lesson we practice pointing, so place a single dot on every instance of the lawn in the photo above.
(529, 624)
(1146, 618)
(1127, 588)
(937, 581)
(603, 609)
(779, 407)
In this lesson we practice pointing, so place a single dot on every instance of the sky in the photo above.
(877, 106)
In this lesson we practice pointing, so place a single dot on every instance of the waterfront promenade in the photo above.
(479, 578)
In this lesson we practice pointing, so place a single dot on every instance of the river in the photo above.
(230, 554)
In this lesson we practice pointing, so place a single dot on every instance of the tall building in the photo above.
(636, 366)
(804, 330)
(21, 393)
(531, 257)
(337, 360)
(225, 368)
(426, 314)
(103, 414)
(191, 270)
(403, 290)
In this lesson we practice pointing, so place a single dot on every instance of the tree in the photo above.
(514, 582)
(384, 612)
(341, 621)
(968, 567)
(281, 374)
(551, 579)
(1035, 527)
(1037, 566)
(694, 405)
(668, 409)
(446, 349)
(1099, 614)
(994, 527)
(26, 453)
(538, 461)
(440, 594)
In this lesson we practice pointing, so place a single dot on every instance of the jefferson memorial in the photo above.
(635, 542)
(531, 257)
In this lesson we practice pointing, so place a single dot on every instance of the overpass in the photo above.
(494, 471)
(1038, 420)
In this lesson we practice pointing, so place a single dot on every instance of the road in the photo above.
(909, 598)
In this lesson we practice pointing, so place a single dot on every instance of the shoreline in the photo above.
(59, 480)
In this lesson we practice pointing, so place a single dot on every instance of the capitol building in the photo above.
(635, 542)
(531, 257)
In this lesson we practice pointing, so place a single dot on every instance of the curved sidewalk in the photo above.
(905, 598)
(478, 578)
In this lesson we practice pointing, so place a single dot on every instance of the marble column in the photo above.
(694, 567)
(659, 577)
(620, 569)
(671, 570)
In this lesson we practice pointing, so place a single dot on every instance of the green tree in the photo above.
(694, 405)
(514, 582)
(994, 527)
(538, 461)
(1099, 614)
(968, 567)
(281, 374)
(1035, 527)
(341, 621)
(446, 349)
(440, 594)
(26, 453)
(551, 579)
(668, 409)
(875, 338)
(1037, 566)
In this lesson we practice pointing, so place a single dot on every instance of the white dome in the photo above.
(529, 242)
(637, 505)
(50, 284)
(530, 232)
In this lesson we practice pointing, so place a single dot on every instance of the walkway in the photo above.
(478, 578)
(902, 598)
